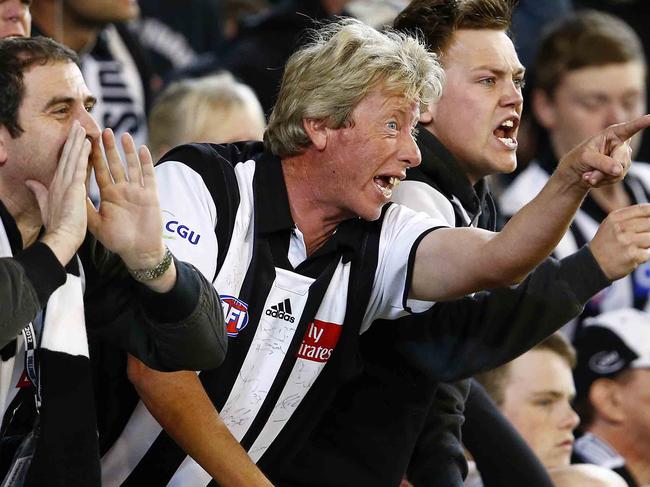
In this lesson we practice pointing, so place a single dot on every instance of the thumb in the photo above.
(41, 193)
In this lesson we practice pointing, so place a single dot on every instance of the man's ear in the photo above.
(428, 114)
(4, 144)
(544, 109)
(317, 131)
(606, 397)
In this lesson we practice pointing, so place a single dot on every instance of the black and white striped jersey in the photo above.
(632, 291)
(293, 320)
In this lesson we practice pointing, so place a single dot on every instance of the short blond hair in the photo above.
(187, 107)
(346, 60)
(496, 380)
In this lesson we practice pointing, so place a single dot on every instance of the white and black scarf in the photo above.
(65, 449)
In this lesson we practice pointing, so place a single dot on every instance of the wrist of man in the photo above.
(145, 260)
(160, 276)
(60, 246)
(569, 183)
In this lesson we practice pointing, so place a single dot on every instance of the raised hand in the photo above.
(62, 204)
(128, 221)
(622, 242)
(604, 158)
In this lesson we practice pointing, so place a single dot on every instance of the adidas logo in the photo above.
(281, 311)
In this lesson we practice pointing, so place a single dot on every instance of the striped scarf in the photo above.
(64, 447)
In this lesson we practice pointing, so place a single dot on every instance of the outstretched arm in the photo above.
(459, 338)
(453, 262)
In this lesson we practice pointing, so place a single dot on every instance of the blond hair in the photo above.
(185, 109)
(345, 61)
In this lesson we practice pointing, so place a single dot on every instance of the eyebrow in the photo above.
(500, 72)
(68, 100)
(553, 394)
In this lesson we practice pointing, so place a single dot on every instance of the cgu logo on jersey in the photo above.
(319, 341)
(235, 313)
(175, 227)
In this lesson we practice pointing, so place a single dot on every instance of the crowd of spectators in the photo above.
(417, 393)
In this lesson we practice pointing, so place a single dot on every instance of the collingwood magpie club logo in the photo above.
(606, 362)
(281, 311)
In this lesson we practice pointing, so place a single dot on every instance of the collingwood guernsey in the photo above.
(293, 320)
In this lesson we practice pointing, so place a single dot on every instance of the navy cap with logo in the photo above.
(610, 343)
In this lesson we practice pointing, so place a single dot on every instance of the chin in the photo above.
(557, 460)
(504, 166)
(370, 214)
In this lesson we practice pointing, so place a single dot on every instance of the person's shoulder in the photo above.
(523, 189)
(204, 155)
(422, 197)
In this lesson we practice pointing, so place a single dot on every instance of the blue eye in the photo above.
(392, 125)
(520, 83)
(488, 81)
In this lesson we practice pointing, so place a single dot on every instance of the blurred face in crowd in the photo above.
(478, 115)
(537, 400)
(100, 12)
(634, 387)
(589, 99)
(55, 96)
(15, 19)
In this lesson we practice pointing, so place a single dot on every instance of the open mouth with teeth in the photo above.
(506, 133)
(386, 184)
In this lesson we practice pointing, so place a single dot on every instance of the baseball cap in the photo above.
(610, 343)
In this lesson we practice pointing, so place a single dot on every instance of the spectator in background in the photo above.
(613, 387)
(112, 61)
(637, 14)
(15, 18)
(212, 109)
(590, 72)
(264, 43)
(535, 392)
(195, 33)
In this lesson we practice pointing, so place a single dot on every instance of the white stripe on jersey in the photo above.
(138, 435)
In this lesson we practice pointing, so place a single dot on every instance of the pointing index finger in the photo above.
(626, 130)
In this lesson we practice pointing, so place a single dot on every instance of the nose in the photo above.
(512, 95)
(410, 152)
(88, 122)
(570, 419)
(615, 114)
